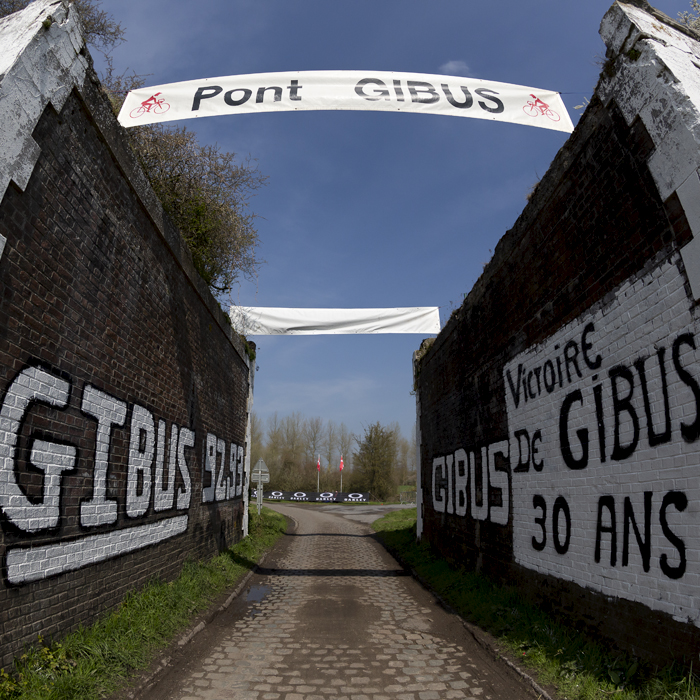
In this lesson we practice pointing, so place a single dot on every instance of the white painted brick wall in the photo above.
(646, 316)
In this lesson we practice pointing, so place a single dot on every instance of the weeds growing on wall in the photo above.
(94, 661)
(578, 667)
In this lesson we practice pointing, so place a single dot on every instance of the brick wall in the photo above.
(124, 393)
(560, 406)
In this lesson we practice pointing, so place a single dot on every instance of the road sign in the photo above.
(260, 466)
(261, 474)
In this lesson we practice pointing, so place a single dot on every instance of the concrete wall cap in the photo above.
(626, 22)
(39, 63)
(652, 75)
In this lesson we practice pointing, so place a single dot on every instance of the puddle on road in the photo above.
(254, 595)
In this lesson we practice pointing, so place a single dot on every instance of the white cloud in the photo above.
(455, 68)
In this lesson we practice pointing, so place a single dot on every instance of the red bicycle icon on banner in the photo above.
(535, 107)
(152, 104)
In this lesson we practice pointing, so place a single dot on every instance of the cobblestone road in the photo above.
(332, 615)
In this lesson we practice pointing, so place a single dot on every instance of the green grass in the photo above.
(94, 661)
(578, 667)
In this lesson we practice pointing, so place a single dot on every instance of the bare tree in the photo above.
(257, 439)
(290, 447)
(403, 452)
(412, 459)
(292, 426)
(274, 447)
(313, 439)
(329, 443)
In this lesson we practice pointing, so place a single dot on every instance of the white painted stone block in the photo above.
(657, 79)
(37, 66)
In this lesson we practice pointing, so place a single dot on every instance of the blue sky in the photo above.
(369, 209)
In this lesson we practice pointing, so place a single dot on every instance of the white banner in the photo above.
(347, 90)
(256, 320)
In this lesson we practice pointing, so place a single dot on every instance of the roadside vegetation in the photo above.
(579, 668)
(94, 661)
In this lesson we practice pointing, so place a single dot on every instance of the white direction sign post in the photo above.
(261, 474)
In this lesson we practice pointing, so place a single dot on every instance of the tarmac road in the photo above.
(330, 614)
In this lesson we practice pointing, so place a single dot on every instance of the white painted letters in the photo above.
(222, 478)
(209, 492)
(240, 471)
(184, 495)
(53, 459)
(31, 384)
(98, 510)
(438, 489)
(604, 418)
(456, 488)
(141, 451)
(164, 495)
(146, 474)
(479, 511)
(223, 482)
(461, 483)
(498, 479)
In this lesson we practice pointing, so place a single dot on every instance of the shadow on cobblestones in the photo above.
(332, 572)
(367, 536)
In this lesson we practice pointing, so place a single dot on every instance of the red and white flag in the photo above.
(318, 465)
(341, 464)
